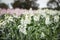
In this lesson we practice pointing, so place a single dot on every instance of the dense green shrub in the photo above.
(38, 25)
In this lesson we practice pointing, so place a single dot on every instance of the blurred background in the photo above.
(27, 4)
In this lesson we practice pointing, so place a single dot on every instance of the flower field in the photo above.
(19, 24)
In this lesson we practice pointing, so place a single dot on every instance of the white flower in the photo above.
(42, 35)
(47, 21)
(10, 18)
(31, 12)
(23, 22)
(6, 17)
(22, 29)
(36, 17)
(56, 18)
(26, 21)
(52, 12)
(42, 12)
(3, 23)
(16, 16)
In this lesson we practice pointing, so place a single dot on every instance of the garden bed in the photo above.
(19, 24)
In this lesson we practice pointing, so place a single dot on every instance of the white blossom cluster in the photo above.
(26, 19)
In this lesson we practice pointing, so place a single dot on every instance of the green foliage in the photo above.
(26, 27)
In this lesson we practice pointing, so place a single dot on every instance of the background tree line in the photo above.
(27, 4)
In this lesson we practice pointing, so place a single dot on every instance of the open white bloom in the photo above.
(42, 35)
(15, 16)
(6, 17)
(56, 18)
(47, 21)
(42, 12)
(3, 23)
(10, 19)
(23, 22)
(52, 12)
(22, 29)
(31, 12)
(26, 21)
(36, 18)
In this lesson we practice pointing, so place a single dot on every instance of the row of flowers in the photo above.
(18, 11)
(29, 24)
